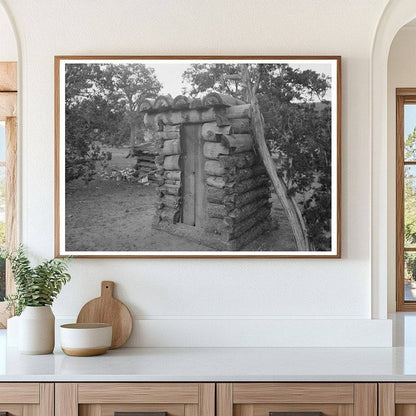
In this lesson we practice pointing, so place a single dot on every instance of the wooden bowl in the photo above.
(85, 340)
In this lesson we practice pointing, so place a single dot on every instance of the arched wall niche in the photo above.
(396, 14)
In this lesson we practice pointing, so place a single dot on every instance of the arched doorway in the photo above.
(396, 14)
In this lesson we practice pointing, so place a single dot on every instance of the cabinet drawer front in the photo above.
(295, 409)
(138, 393)
(11, 409)
(252, 393)
(405, 393)
(27, 393)
(111, 409)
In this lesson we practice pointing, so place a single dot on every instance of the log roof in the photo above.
(164, 103)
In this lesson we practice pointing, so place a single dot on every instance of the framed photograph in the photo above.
(198, 156)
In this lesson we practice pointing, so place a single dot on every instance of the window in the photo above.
(2, 206)
(406, 199)
(8, 171)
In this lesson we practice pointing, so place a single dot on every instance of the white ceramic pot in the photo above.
(37, 330)
(86, 339)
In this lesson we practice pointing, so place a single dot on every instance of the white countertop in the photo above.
(213, 364)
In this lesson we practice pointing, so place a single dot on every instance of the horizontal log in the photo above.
(170, 201)
(195, 116)
(216, 210)
(254, 232)
(230, 233)
(239, 160)
(172, 182)
(249, 184)
(240, 126)
(240, 214)
(215, 98)
(215, 195)
(170, 215)
(169, 189)
(213, 150)
(214, 168)
(172, 147)
(173, 174)
(172, 162)
(235, 200)
(237, 188)
(238, 175)
(237, 143)
(216, 182)
(172, 127)
(168, 135)
(211, 131)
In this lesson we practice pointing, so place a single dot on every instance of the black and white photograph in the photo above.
(198, 157)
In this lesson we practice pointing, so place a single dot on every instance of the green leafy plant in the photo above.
(35, 286)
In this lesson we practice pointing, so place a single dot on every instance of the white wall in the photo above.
(181, 301)
(8, 47)
(401, 74)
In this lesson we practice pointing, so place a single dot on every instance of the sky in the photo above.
(409, 119)
(2, 141)
(170, 74)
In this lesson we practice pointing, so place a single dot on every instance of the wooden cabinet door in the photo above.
(153, 399)
(297, 399)
(27, 399)
(397, 399)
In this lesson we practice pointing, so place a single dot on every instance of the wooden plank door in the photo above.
(193, 175)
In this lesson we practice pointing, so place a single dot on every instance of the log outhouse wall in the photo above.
(213, 187)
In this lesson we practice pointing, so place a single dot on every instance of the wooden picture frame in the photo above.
(193, 202)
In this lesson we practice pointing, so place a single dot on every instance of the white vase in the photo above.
(37, 330)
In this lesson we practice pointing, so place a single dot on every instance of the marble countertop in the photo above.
(213, 364)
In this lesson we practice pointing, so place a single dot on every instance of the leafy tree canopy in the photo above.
(101, 106)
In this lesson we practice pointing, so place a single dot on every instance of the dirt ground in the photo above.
(109, 215)
(117, 216)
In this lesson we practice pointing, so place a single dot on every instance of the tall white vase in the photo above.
(37, 330)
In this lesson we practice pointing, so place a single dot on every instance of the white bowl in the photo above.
(83, 340)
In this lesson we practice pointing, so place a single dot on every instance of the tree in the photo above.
(410, 192)
(126, 86)
(297, 127)
(101, 105)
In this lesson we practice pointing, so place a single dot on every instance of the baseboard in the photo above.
(253, 332)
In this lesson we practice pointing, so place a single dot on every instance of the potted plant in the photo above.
(36, 289)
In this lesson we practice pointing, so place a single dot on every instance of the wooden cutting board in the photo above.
(107, 309)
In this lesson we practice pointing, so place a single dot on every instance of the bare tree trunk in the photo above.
(133, 130)
(289, 204)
